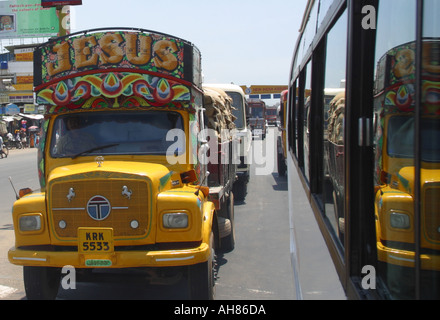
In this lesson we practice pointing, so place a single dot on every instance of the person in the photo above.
(74, 139)
(23, 139)
(2, 152)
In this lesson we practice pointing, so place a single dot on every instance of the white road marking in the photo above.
(260, 291)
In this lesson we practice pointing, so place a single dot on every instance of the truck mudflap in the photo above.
(117, 259)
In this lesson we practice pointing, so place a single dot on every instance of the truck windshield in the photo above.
(237, 103)
(116, 133)
(401, 138)
(271, 112)
(257, 112)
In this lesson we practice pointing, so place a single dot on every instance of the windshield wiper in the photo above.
(94, 149)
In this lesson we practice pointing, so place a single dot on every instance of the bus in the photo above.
(365, 75)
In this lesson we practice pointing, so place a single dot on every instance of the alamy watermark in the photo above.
(369, 280)
(369, 19)
(68, 282)
(262, 153)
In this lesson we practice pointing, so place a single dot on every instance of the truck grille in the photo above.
(124, 205)
(432, 212)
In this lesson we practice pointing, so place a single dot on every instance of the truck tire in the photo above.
(281, 165)
(239, 189)
(41, 283)
(338, 207)
(228, 242)
(202, 276)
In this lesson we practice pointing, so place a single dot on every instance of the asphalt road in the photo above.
(258, 269)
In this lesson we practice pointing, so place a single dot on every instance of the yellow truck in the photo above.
(123, 164)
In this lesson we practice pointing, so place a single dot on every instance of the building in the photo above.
(17, 103)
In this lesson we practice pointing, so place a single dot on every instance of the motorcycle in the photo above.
(14, 144)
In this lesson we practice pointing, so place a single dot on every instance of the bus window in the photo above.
(395, 57)
(292, 121)
(404, 245)
(334, 113)
(430, 149)
(307, 120)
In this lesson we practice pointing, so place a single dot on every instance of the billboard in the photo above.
(27, 19)
(50, 3)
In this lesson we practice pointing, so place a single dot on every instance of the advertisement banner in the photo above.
(27, 19)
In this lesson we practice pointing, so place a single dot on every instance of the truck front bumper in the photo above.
(407, 258)
(117, 259)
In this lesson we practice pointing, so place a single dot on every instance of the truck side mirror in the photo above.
(188, 176)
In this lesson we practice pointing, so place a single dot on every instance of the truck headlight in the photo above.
(31, 222)
(175, 220)
(399, 220)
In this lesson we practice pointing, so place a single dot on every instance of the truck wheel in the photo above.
(202, 276)
(41, 283)
(338, 215)
(239, 189)
(281, 165)
(228, 242)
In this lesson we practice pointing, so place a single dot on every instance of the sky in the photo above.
(245, 42)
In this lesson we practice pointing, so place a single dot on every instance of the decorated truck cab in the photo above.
(122, 164)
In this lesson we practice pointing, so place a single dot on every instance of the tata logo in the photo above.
(98, 208)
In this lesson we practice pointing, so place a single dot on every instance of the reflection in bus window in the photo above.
(430, 145)
(397, 164)
(334, 112)
(306, 120)
(401, 137)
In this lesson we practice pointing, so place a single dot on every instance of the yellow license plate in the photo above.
(95, 240)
